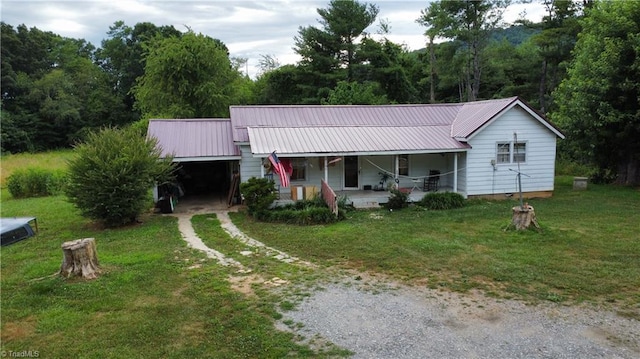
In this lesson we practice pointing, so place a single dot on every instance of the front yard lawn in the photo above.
(589, 249)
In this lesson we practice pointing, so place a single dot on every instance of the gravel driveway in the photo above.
(409, 323)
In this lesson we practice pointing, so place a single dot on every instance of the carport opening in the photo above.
(209, 178)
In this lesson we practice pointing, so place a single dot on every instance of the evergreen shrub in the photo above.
(111, 177)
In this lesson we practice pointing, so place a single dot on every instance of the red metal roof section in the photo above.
(194, 137)
(297, 129)
(335, 116)
(473, 115)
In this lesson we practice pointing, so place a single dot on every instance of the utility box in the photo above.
(580, 183)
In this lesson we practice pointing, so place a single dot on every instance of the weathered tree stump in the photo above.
(523, 218)
(80, 259)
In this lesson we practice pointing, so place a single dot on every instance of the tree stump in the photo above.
(80, 259)
(524, 217)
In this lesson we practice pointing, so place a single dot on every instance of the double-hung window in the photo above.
(299, 169)
(510, 152)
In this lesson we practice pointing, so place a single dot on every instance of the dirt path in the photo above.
(244, 277)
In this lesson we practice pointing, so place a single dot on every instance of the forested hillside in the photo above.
(56, 89)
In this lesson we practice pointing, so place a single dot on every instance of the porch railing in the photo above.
(329, 197)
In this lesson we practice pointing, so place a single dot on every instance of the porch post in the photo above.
(397, 172)
(455, 172)
(326, 169)
(261, 167)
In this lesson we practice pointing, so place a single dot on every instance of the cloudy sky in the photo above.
(248, 28)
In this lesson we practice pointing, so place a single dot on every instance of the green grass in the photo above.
(52, 160)
(146, 303)
(150, 302)
(589, 249)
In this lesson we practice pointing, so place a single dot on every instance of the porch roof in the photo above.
(354, 140)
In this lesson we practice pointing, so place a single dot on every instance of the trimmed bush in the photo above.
(258, 193)
(442, 200)
(35, 182)
(397, 200)
(111, 176)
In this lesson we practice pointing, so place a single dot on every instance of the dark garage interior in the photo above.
(205, 178)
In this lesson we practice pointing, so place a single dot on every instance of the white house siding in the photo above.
(249, 165)
(462, 173)
(482, 179)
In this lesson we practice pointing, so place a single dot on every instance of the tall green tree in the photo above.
(122, 56)
(329, 52)
(469, 22)
(354, 93)
(343, 22)
(560, 28)
(52, 91)
(186, 77)
(387, 64)
(599, 101)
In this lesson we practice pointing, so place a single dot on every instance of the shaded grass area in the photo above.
(589, 249)
(149, 301)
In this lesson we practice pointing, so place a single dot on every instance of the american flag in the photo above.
(279, 169)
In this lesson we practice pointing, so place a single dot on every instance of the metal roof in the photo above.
(358, 129)
(243, 117)
(195, 139)
(329, 140)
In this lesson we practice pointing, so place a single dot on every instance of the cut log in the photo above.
(80, 259)
(524, 217)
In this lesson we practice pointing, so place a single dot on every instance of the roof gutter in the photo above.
(363, 153)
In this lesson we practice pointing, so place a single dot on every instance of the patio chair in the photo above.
(431, 183)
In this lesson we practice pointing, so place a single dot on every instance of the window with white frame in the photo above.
(503, 154)
(510, 152)
(519, 152)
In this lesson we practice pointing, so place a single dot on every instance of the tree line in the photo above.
(579, 66)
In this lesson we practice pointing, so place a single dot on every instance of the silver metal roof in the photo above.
(352, 139)
(195, 139)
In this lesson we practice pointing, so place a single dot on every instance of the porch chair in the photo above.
(431, 183)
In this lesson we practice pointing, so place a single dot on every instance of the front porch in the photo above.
(362, 199)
